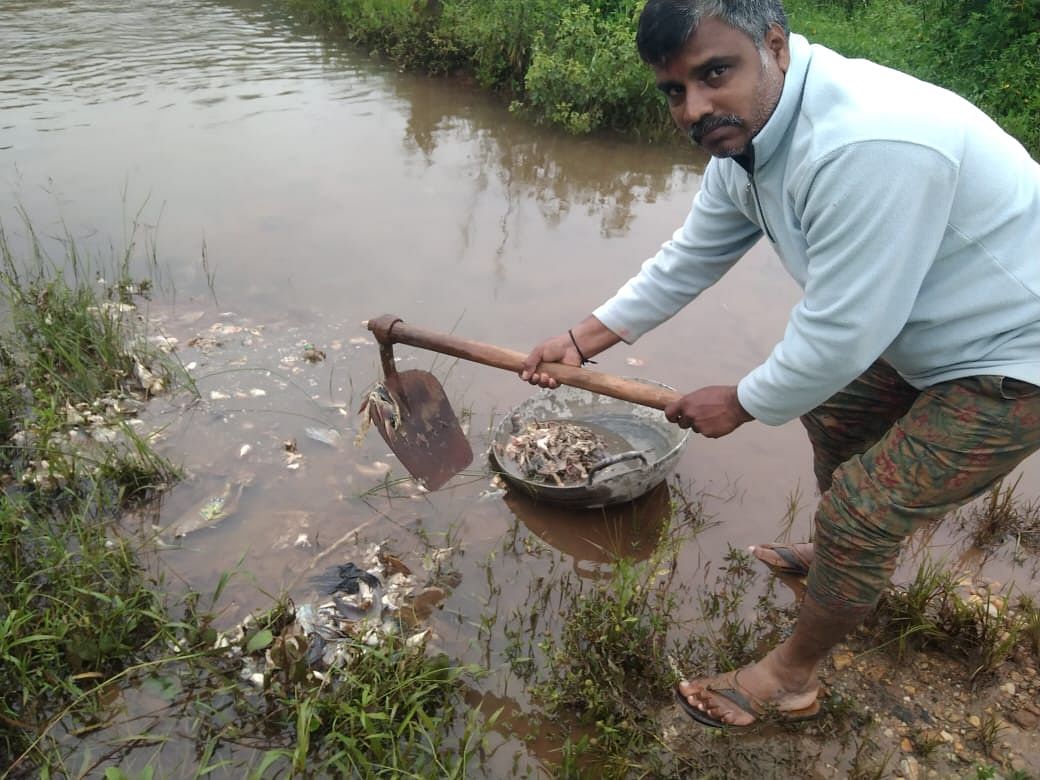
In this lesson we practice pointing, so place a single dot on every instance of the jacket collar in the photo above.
(769, 138)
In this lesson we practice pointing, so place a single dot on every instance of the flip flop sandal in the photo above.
(793, 563)
(735, 693)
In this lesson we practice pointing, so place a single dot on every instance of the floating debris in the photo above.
(328, 436)
(554, 451)
(148, 381)
(292, 454)
(312, 354)
(165, 343)
(377, 469)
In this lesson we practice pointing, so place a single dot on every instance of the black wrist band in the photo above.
(581, 354)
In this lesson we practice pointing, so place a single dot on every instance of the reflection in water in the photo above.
(597, 536)
(558, 172)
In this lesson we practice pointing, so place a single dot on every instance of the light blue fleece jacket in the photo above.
(908, 217)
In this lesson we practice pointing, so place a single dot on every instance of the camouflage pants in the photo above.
(889, 458)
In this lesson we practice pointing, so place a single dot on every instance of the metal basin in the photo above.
(628, 428)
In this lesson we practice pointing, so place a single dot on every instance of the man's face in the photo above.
(721, 88)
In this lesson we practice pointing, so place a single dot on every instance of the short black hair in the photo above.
(666, 25)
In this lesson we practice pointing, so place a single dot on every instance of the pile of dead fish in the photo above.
(555, 452)
(358, 607)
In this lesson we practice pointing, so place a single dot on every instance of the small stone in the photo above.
(975, 720)
(1025, 719)
(946, 736)
(910, 690)
(841, 661)
(1018, 764)
(906, 745)
(889, 733)
(1008, 688)
(954, 717)
(909, 768)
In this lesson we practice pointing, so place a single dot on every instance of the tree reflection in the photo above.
(604, 175)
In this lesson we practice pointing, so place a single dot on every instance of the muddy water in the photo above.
(292, 188)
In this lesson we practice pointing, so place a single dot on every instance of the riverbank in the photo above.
(574, 65)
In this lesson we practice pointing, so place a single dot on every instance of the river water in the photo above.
(288, 189)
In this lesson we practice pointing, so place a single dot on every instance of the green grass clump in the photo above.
(934, 612)
(389, 711)
(76, 608)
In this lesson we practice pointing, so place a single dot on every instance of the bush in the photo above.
(574, 64)
(498, 35)
(985, 50)
(588, 75)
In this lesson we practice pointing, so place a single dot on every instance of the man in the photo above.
(912, 224)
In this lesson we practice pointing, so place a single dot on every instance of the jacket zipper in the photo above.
(758, 203)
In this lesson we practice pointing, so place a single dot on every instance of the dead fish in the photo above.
(554, 451)
(211, 511)
(378, 407)
(328, 436)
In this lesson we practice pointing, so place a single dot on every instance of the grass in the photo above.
(388, 710)
(600, 655)
(935, 612)
(76, 608)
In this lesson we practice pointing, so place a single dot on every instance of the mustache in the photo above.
(709, 124)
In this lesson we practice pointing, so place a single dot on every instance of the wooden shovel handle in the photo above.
(389, 329)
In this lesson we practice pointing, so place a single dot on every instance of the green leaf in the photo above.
(259, 641)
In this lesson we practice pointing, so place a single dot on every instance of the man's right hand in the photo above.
(591, 336)
(558, 349)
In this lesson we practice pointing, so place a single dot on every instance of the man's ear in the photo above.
(776, 45)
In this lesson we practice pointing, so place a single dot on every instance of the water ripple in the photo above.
(102, 51)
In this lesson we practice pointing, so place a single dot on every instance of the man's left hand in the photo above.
(711, 411)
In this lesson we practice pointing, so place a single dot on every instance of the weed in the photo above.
(1001, 514)
(926, 742)
(931, 612)
(1030, 614)
(988, 733)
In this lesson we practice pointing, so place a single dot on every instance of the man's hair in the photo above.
(666, 25)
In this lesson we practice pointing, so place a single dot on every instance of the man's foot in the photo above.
(742, 697)
(792, 559)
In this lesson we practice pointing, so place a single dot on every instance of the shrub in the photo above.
(588, 74)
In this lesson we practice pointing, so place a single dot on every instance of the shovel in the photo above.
(412, 413)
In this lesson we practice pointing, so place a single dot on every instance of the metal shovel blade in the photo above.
(421, 428)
